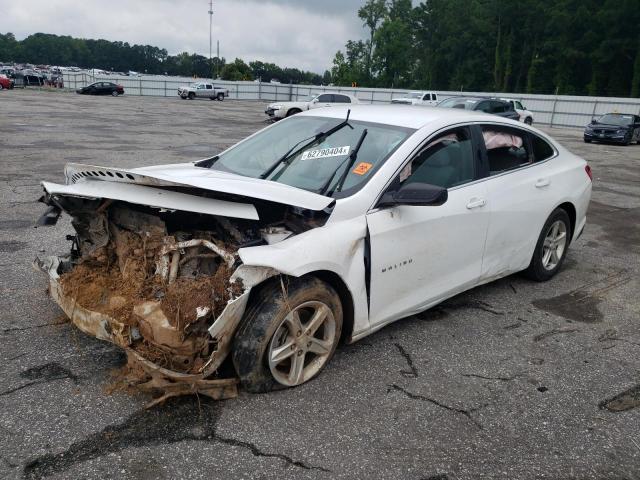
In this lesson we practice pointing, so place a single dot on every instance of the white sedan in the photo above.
(525, 115)
(326, 226)
(280, 110)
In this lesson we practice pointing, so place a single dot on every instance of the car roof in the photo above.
(407, 116)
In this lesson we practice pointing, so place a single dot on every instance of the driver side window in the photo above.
(446, 161)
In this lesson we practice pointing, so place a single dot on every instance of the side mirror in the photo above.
(418, 194)
(594, 120)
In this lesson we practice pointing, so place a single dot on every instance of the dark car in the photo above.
(487, 105)
(102, 88)
(614, 127)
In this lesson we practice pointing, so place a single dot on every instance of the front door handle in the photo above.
(543, 182)
(476, 203)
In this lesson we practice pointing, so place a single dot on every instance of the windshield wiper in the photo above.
(352, 159)
(319, 137)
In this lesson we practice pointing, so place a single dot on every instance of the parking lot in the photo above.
(511, 380)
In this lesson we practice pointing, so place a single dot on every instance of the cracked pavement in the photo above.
(513, 380)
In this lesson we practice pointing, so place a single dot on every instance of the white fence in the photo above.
(552, 110)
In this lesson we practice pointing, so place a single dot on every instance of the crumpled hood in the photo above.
(186, 174)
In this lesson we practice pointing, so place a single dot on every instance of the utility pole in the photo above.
(218, 57)
(210, 26)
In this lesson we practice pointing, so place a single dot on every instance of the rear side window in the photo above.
(506, 148)
(541, 149)
(341, 99)
(209, 87)
(498, 107)
(326, 98)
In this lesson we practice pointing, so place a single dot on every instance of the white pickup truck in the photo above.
(204, 90)
(417, 98)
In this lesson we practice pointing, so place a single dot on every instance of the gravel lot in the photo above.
(510, 380)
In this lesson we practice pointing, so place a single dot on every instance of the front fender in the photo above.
(336, 247)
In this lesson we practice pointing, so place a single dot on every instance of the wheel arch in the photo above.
(571, 211)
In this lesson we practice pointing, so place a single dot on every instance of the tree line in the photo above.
(570, 47)
(48, 49)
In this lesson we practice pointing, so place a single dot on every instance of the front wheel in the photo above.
(288, 334)
(191, 95)
(528, 121)
(220, 97)
(293, 111)
(551, 248)
(1, 86)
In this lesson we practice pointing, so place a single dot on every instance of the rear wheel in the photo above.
(220, 97)
(191, 95)
(1, 86)
(114, 93)
(551, 248)
(288, 334)
(293, 111)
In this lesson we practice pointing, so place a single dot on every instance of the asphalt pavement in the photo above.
(511, 380)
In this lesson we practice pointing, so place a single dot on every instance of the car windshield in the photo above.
(321, 164)
(614, 119)
(466, 103)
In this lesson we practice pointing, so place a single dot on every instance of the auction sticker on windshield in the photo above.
(325, 152)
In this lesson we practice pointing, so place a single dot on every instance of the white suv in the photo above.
(280, 110)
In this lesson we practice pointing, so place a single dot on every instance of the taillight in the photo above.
(587, 169)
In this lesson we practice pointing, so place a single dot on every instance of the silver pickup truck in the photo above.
(204, 90)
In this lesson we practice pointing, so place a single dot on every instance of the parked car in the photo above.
(102, 88)
(614, 127)
(5, 82)
(417, 98)
(280, 110)
(328, 225)
(525, 115)
(487, 105)
(203, 90)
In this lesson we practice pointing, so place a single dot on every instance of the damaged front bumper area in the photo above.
(166, 286)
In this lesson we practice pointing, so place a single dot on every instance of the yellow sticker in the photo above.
(362, 168)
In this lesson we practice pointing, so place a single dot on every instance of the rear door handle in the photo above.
(476, 203)
(543, 182)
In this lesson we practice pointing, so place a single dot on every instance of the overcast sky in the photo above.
(291, 33)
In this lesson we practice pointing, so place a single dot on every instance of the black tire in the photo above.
(220, 97)
(528, 121)
(212, 98)
(183, 97)
(1, 87)
(536, 269)
(114, 93)
(263, 318)
(191, 95)
(293, 111)
(586, 140)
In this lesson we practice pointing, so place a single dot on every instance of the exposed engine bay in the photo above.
(166, 285)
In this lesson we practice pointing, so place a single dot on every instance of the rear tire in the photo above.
(276, 345)
(114, 93)
(293, 111)
(551, 248)
(1, 87)
(220, 97)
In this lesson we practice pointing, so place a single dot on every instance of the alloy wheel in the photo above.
(302, 343)
(555, 242)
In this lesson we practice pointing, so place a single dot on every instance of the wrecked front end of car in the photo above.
(154, 268)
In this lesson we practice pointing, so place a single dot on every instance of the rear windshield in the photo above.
(465, 103)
